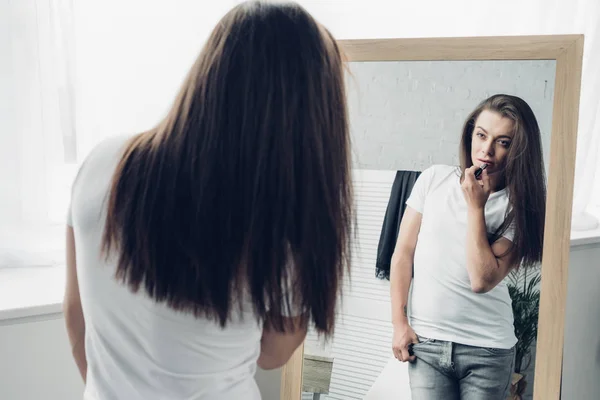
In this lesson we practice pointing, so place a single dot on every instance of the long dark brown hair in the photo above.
(524, 176)
(244, 188)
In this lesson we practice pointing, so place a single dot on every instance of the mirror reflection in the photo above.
(444, 289)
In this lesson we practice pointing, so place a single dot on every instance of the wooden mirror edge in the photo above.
(291, 375)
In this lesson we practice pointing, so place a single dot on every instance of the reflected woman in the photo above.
(462, 234)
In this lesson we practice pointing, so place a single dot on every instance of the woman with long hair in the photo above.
(206, 245)
(462, 234)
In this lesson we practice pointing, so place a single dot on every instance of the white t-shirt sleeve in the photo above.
(416, 200)
(510, 232)
(69, 216)
(70, 208)
(289, 295)
(69, 219)
(289, 292)
(100, 150)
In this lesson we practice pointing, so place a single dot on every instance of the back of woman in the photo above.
(137, 348)
(208, 244)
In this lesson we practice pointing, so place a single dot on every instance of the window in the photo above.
(37, 130)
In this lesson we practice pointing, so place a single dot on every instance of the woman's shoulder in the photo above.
(440, 172)
(107, 149)
(102, 157)
(443, 168)
(110, 146)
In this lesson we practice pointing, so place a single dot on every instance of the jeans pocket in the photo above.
(422, 340)
(500, 352)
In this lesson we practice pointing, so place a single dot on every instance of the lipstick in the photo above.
(480, 170)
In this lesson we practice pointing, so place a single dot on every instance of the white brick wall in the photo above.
(409, 115)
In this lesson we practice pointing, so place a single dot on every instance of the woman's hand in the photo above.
(476, 192)
(403, 337)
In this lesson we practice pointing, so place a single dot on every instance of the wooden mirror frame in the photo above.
(567, 51)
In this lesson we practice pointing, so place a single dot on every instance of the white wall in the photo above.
(409, 115)
(581, 363)
(35, 361)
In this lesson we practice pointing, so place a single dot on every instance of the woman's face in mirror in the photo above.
(491, 139)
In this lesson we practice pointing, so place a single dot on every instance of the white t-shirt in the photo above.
(442, 304)
(137, 349)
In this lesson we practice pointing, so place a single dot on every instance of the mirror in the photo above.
(408, 100)
(408, 116)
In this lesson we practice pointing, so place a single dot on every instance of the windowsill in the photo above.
(31, 291)
(37, 291)
(581, 238)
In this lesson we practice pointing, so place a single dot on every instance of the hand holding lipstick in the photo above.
(476, 192)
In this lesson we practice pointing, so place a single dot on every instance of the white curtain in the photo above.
(122, 60)
(37, 137)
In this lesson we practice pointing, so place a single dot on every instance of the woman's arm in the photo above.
(400, 280)
(276, 348)
(402, 264)
(72, 308)
(487, 264)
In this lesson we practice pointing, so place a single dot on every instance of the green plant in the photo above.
(523, 288)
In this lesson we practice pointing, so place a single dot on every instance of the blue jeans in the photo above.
(452, 371)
